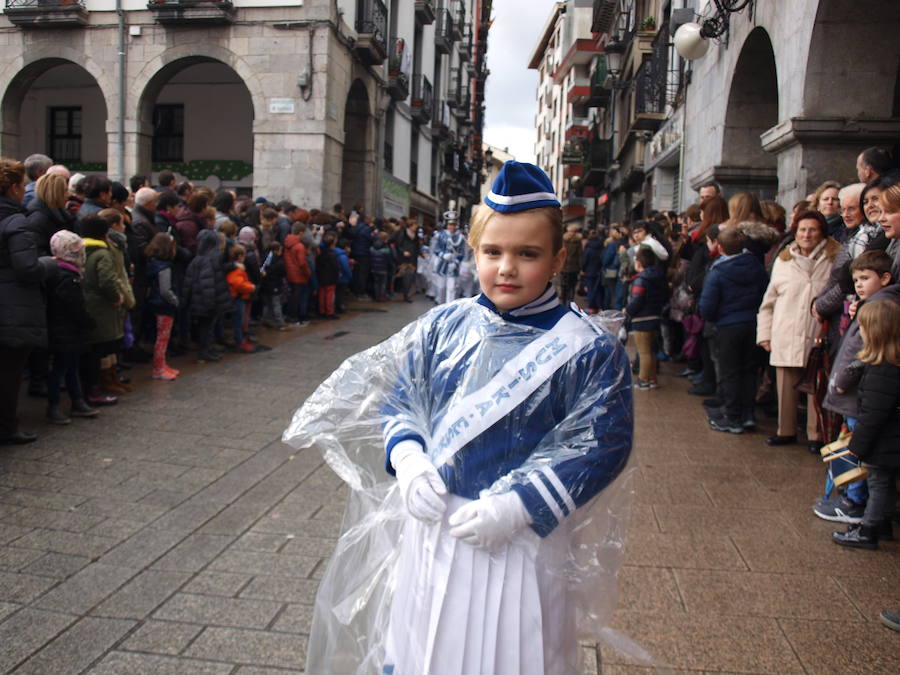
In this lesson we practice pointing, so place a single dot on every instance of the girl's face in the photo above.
(515, 258)
(872, 205)
(829, 203)
(889, 221)
(809, 234)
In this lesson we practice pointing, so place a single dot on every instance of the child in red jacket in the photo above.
(241, 290)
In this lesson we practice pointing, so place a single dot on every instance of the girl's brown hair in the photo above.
(161, 247)
(878, 323)
(236, 252)
(890, 198)
(483, 213)
(53, 190)
(715, 212)
(12, 172)
(744, 206)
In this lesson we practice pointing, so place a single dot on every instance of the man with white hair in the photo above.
(141, 231)
(61, 170)
(35, 166)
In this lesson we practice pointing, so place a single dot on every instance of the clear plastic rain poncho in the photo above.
(499, 404)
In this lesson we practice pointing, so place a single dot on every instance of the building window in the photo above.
(65, 134)
(168, 133)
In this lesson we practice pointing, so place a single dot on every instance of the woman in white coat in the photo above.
(786, 326)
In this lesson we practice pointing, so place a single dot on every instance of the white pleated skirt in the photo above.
(457, 610)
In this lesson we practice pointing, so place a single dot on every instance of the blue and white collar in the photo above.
(544, 303)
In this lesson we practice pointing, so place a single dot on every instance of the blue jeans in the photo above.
(595, 292)
(858, 491)
(299, 301)
(65, 365)
(237, 320)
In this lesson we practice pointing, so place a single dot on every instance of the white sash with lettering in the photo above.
(516, 381)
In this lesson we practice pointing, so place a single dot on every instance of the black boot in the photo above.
(57, 416)
(857, 536)
(80, 408)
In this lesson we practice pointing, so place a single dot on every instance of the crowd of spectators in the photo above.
(766, 312)
(96, 277)
(762, 308)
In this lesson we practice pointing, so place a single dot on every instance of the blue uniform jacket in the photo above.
(558, 448)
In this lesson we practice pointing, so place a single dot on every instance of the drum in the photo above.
(843, 467)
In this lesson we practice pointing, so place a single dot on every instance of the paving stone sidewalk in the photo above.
(177, 534)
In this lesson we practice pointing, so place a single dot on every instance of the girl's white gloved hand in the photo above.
(420, 484)
(489, 522)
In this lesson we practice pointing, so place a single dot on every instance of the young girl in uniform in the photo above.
(502, 417)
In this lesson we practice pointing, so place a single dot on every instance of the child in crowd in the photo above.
(872, 280)
(242, 291)
(381, 265)
(206, 291)
(342, 252)
(328, 272)
(592, 268)
(162, 299)
(104, 297)
(649, 293)
(732, 291)
(68, 326)
(272, 286)
(876, 435)
(502, 416)
(268, 225)
(298, 273)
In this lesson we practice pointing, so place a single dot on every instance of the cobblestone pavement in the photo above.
(176, 534)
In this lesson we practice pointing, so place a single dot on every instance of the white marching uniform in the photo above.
(535, 401)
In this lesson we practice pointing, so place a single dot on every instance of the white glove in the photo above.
(448, 257)
(420, 483)
(489, 522)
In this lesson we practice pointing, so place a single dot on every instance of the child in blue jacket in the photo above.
(732, 292)
(648, 295)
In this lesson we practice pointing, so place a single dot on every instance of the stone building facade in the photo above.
(285, 100)
(784, 99)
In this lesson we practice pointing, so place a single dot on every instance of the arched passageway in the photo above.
(752, 109)
(55, 107)
(197, 117)
(358, 162)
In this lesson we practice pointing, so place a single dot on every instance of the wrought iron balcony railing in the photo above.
(371, 29)
(443, 31)
(192, 11)
(422, 101)
(46, 13)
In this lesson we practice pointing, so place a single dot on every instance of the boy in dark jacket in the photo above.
(68, 326)
(328, 272)
(271, 287)
(732, 292)
(592, 268)
(649, 293)
(206, 291)
(381, 258)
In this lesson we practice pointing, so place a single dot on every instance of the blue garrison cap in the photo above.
(520, 186)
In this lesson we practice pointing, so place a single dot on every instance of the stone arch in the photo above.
(752, 110)
(164, 71)
(852, 65)
(22, 73)
(358, 170)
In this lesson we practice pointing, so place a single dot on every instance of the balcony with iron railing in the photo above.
(192, 11)
(424, 12)
(46, 13)
(600, 94)
(422, 101)
(441, 119)
(399, 65)
(459, 21)
(599, 157)
(442, 31)
(649, 99)
(464, 46)
(371, 32)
